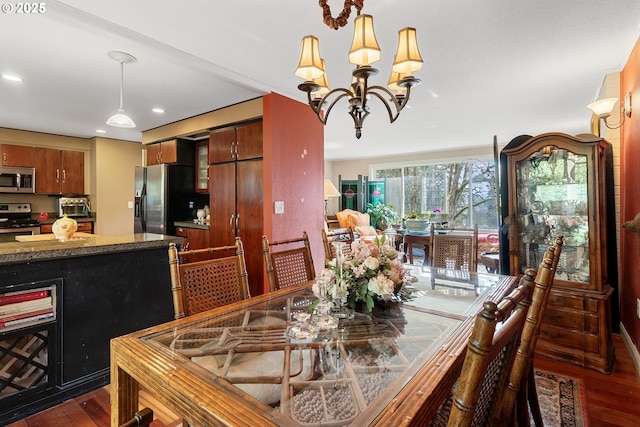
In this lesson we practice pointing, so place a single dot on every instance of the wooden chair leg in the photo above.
(532, 397)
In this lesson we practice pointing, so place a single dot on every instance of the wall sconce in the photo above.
(603, 108)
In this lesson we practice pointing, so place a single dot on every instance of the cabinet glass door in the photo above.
(552, 200)
(202, 167)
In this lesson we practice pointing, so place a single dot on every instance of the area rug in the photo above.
(561, 400)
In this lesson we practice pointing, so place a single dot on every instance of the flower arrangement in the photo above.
(375, 273)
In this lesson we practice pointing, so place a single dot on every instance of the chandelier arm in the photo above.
(323, 115)
(398, 105)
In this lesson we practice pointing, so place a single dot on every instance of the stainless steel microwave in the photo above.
(17, 180)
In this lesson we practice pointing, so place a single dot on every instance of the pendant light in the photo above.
(120, 119)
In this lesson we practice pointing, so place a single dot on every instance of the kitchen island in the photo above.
(102, 287)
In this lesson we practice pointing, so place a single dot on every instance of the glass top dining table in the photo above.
(241, 364)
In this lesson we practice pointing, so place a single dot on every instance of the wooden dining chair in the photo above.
(289, 266)
(142, 418)
(454, 248)
(488, 361)
(520, 393)
(202, 285)
(343, 235)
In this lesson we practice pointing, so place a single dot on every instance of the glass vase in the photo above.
(340, 308)
(323, 317)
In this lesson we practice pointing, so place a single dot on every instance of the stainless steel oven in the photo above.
(16, 220)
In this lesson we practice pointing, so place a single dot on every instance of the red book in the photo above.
(20, 297)
(4, 320)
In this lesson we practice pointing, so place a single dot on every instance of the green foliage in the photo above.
(382, 215)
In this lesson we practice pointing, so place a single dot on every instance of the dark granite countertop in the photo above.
(191, 224)
(32, 251)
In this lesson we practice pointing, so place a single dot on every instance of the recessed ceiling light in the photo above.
(12, 78)
(158, 110)
(101, 131)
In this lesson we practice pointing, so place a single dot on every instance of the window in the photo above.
(464, 192)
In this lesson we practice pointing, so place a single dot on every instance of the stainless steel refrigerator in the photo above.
(163, 194)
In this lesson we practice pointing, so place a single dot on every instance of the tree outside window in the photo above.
(465, 192)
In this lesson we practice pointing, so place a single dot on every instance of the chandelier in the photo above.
(364, 51)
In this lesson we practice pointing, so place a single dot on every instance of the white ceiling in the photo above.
(495, 67)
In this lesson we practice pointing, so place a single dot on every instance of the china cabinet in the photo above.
(558, 184)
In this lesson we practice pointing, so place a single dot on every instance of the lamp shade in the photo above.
(330, 190)
(364, 48)
(408, 57)
(393, 82)
(322, 82)
(121, 120)
(310, 64)
(603, 107)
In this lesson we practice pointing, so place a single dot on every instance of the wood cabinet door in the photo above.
(169, 151)
(48, 173)
(153, 154)
(249, 200)
(222, 199)
(222, 145)
(249, 141)
(17, 155)
(72, 166)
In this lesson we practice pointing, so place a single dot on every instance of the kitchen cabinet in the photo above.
(202, 167)
(563, 185)
(240, 142)
(193, 238)
(84, 227)
(59, 171)
(174, 151)
(17, 155)
(236, 198)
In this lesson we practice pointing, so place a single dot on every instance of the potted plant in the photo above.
(416, 222)
(381, 215)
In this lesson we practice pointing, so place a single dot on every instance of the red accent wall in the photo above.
(293, 172)
(630, 198)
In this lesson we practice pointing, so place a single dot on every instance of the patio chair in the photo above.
(289, 266)
(202, 285)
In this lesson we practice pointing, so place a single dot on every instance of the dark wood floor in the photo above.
(612, 400)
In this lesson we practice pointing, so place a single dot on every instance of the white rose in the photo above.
(371, 263)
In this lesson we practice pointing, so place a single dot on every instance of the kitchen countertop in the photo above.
(50, 237)
(191, 224)
(44, 250)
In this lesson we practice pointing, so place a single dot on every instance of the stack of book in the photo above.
(20, 308)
